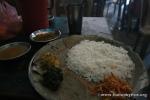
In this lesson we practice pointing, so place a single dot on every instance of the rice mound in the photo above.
(96, 60)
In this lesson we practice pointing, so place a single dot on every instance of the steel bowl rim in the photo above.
(51, 17)
(45, 40)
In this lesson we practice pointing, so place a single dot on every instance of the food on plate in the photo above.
(53, 78)
(49, 68)
(50, 59)
(112, 85)
(12, 52)
(43, 36)
(89, 70)
(94, 60)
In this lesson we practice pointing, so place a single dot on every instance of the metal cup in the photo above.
(74, 15)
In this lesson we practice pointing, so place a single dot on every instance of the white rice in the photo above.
(95, 60)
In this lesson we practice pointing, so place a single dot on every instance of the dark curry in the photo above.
(46, 36)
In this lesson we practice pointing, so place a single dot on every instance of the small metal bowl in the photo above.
(24, 46)
(46, 32)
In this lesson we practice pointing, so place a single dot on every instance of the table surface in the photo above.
(96, 26)
(14, 82)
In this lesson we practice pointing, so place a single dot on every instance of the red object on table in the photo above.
(34, 14)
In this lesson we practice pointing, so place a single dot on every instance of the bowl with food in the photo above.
(13, 51)
(45, 35)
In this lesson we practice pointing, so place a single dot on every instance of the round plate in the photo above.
(71, 88)
(45, 31)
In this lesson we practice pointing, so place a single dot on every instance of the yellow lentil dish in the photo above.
(12, 52)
